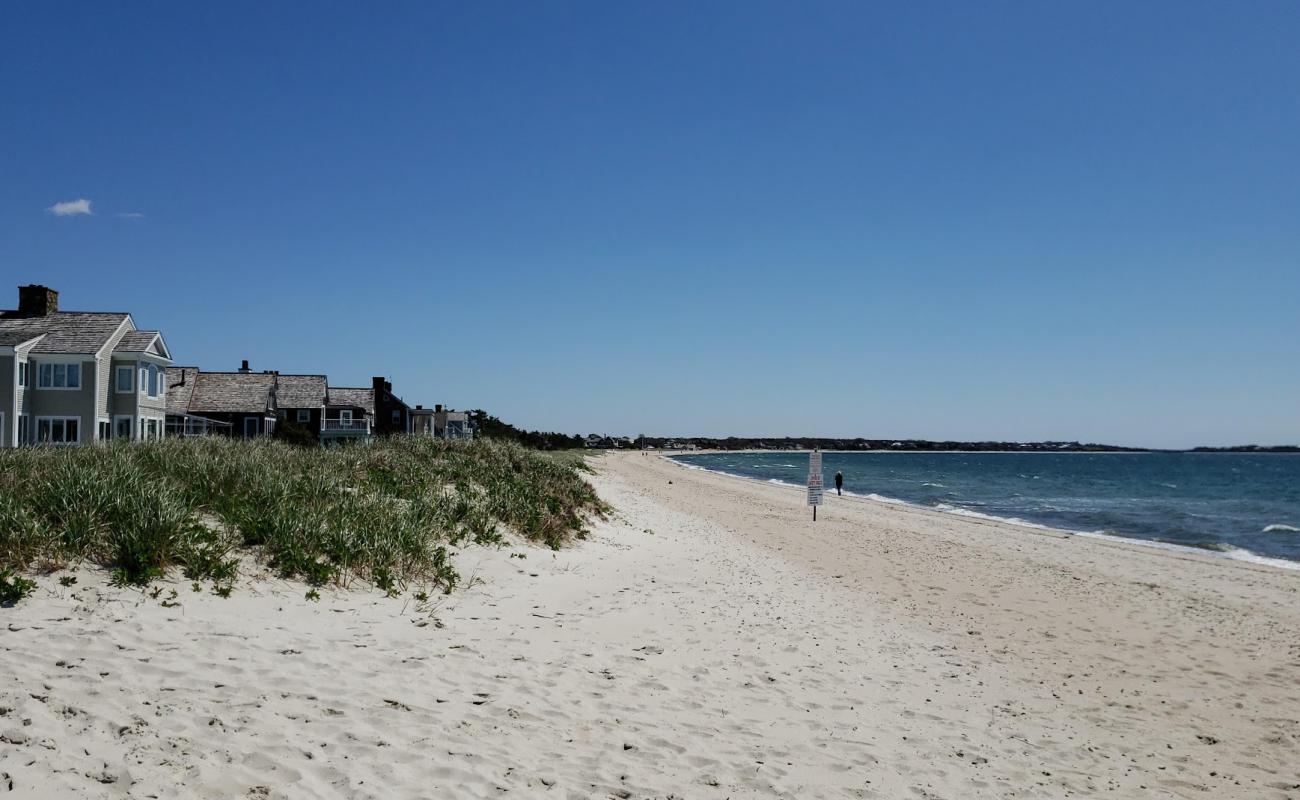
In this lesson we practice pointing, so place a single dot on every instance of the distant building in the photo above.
(422, 421)
(70, 377)
(241, 404)
(448, 424)
(391, 414)
(349, 414)
(301, 400)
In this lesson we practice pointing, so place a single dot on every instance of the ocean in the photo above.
(1239, 505)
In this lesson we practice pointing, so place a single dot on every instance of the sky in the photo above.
(992, 221)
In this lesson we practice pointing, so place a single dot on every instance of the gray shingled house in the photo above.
(301, 400)
(69, 377)
(248, 404)
(349, 414)
(241, 403)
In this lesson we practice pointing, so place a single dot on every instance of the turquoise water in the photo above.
(1242, 505)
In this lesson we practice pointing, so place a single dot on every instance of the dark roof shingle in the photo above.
(232, 392)
(351, 397)
(301, 391)
(180, 388)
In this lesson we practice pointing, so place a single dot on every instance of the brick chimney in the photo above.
(37, 301)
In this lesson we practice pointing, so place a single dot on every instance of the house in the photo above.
(69, 377)
(247, 404)
(239, 403)
(448, 424)
(422, 421)
(302, 399)
(349, 414)
(392, 415)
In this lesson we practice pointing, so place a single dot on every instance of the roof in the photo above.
(301, 391)
(180, 388)
(232, 392)
(63, 331)
(356, 398)
(136, 342)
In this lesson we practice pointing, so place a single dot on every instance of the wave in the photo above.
(966, 512)
(935, 485)
(1214, 550)
(1219, 549)
(1281, 529)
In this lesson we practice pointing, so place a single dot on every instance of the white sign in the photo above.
(815, 486)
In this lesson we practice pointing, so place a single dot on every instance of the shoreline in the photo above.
(713, 451)
(1235, 555)
(707, 640)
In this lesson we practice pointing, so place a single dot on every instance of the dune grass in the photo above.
(385, 512)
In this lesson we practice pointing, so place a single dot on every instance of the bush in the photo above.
(13, 587)
(384, 512)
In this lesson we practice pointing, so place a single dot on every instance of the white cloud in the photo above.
(70, 208)
(129, 215)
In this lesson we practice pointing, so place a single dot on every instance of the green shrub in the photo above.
(385, 512)
(13, 587)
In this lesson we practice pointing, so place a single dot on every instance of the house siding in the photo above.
(80, 403)
(8, 386)
(289, 416)
(22, 402)
(103, 368)
(124, 404)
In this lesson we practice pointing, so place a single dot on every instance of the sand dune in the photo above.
(707, 642)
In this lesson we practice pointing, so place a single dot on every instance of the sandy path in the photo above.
(708, 642)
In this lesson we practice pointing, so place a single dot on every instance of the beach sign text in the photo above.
(815, 481)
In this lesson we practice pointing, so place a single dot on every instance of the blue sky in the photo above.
(971, 221)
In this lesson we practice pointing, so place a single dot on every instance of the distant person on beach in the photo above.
(839, 483)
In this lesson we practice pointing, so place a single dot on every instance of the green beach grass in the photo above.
(385, 513)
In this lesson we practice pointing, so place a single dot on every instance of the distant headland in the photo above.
(897, 445)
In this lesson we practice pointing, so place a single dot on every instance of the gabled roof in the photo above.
(347, 397)
(143, 342)
(232, 392)
(301, 391)
(64, 331)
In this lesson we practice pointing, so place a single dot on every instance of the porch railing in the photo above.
(346, 425)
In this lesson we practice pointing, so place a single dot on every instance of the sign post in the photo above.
(815, 481)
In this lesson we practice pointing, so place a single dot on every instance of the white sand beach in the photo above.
(707, 641)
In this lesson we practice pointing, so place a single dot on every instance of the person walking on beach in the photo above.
(839, 484)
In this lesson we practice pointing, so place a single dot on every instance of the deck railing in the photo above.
(346, 425)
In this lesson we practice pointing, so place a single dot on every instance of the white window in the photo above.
(152, 427)
(22, 373)
(126, 379)
(250, 427)
(103, 430)
(345, 417)
(304, 415)
(59, 376)
(58, 430)
(122, 426)
(153, 381)
(24, 435)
